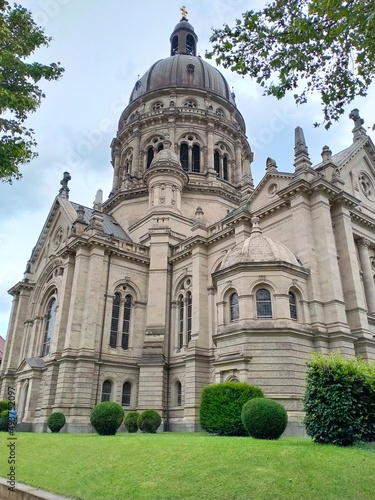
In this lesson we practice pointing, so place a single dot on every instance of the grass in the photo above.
(179, 466)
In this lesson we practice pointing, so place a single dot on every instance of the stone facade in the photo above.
(188, 274)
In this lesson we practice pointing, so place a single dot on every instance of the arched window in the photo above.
(174, 45)
(225, 167)
(126, 394)
(180, 322)
(126, 322)
(49, 325)
(217, 162)
(189, 314)
(115, 320)
(150, 155)
(196, 158)
(184, 156)
(234, 307)
(160, 147)
(190, 44)
(178, 393)
(292, 305)
(106, 390)
(264, 305)
(184, 314)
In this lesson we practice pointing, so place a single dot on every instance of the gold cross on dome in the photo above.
(184, 13)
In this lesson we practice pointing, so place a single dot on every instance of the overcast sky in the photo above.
(104, 45)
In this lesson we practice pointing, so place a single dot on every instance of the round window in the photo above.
(366, 186)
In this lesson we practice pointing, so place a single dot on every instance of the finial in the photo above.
(271, 165)
(301, 153)
(358, 130)
(64, 183)
(184, 13)
(255, 223)
(80, 213)
(326, 154)
(98, 200)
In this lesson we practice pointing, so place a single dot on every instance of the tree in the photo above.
(19, 94)
(304, 46)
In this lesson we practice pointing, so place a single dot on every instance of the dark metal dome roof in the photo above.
(182, 70)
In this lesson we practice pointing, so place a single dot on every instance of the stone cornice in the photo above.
(362, 219)
(21, 285)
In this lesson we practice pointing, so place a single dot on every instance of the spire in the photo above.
(301, 153)
(183, 39)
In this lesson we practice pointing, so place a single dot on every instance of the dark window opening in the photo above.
(174, 46)
(126, 393)
(126, 322)
(115, 320)
(160, 147)
(225, 167)
(217, 162)
(179, 393)
(190, 44)
(184, 156)
(196, 158)
(292, 305)
(150, 155)
(106, 390)
(180, 322)
(50, 323)
(189, 316)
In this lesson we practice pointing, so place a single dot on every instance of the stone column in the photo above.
(350, 273)
(116, 172)
(135, 165)
(238, 165)
(210, 148)
(199, 332)
(368, 280)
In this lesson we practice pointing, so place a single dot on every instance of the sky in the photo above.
(104, 46)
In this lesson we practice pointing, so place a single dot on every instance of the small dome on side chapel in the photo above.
(259, 248)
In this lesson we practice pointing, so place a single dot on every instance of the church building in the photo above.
(189, 274)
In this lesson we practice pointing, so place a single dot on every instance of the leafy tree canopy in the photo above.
(19, 94)
(304, 46)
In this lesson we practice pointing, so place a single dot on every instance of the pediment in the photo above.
(28, 364)
(266, 191)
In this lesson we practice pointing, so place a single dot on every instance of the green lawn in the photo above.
(172, 466)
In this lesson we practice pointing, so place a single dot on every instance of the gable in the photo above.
(266, 191)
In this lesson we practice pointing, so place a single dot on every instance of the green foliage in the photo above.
(131, 421)
(106, 418)
(340, 400)
(221, 406)
(56, 421)
(4, 420)
(264, 418)
(149, 421)
(304, 46)
(3, 406)
(19, 95)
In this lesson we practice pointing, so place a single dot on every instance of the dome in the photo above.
(259, 248)
(166, 156)
(182, 70)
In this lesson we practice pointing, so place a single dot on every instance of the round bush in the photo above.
(106, 418)
(264, 418)
(4, 421)
(131, 421)
(56, 421)
(3, 406)
(221, 405)
(149, 421)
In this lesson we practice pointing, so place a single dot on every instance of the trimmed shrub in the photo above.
(3, 406)
(149, 421)
(221, 406)
(340, 400)
(264, 418)
(4, 420)
(131, 421)
(56, 421)
(106, 418)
